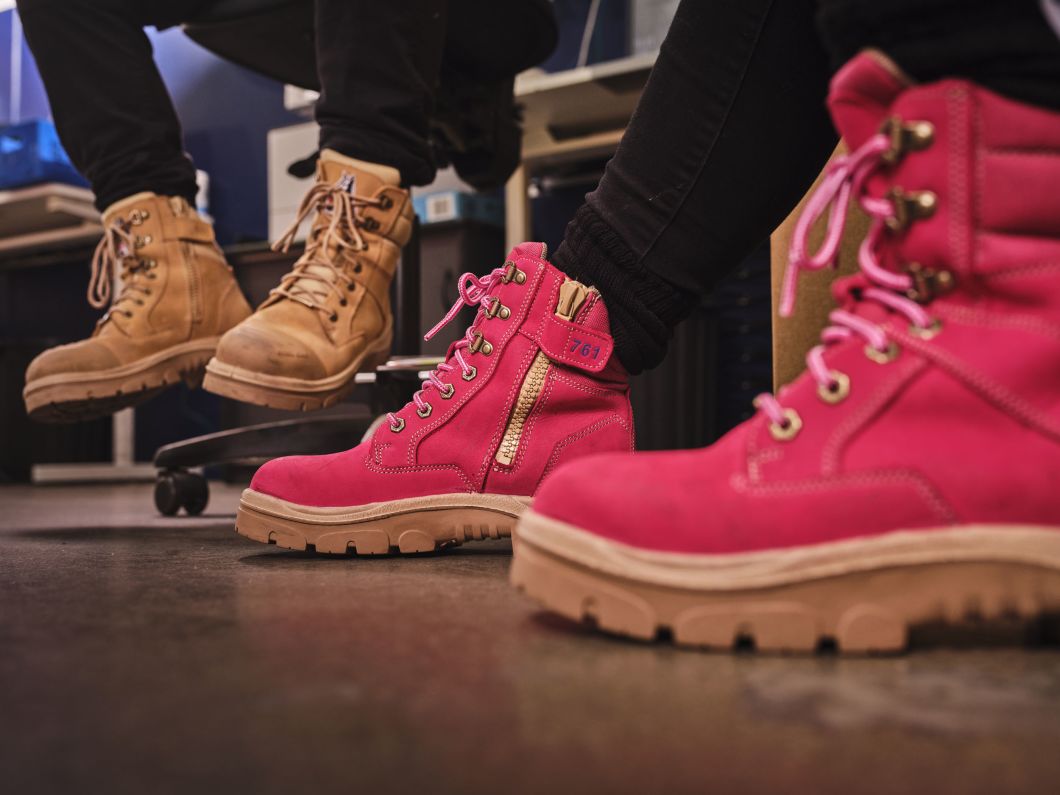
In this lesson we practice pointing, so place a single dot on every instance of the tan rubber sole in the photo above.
(292, 394)
(421, 524)
(75, 397)
(858, 595)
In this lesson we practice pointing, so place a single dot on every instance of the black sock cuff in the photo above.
(643, 306)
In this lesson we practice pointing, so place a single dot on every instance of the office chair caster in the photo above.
(179, 488)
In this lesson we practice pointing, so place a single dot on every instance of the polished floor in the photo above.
(143, 654)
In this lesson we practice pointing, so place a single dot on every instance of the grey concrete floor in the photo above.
(143, 654)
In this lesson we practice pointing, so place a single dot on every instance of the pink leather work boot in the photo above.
(912, 474)
(531, 385)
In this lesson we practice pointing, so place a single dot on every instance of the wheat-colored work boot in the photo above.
(175, 297)
(329, 318)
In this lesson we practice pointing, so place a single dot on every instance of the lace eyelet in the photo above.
(385, 202)
(785, 433)
(512, 273)
(926, 332)
(334, 317)
(497, 309)
(884, 356)
(351, 287)
(343, 302)
(472, 371)
(399, 427)
(837, 391)
(358, 268)
(448, 392)
(479, 343)
(425, 412)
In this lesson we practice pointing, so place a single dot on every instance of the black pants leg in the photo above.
(112, 111)
(378, 64)
(731, 130)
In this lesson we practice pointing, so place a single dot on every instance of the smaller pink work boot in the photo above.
(912, 475)
(531, 385)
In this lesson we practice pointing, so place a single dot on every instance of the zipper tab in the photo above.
(572, 296)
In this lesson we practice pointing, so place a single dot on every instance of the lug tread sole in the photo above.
(865, 612)
(83, 399)
(406, 532)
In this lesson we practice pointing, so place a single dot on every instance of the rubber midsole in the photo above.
(360, 514)
(1037, 545)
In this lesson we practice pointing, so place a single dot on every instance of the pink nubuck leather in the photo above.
(446, 439)
(934, 398)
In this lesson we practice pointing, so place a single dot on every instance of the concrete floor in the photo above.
(142, 654)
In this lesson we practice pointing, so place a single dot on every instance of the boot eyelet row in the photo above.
(425, 412)
(481, 344)
(926, 332)
(837, 391)
(787, 432)
(472, 371)
(889, 354)
(497, 309)
(448, 392)
(399, 426)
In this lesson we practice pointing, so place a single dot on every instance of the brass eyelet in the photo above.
(926, 284)
(141, 241)
(448, 392)
(399, 427)
(334, 317)
(785, 433)
(837, 391)
(472, 371)
(479, 343)
(425, 412)
(497, 309)
(512, 273)
(906, 137)
(910, 206)
(889, 354)
(385, 202)
(926, 332)
(343, 302)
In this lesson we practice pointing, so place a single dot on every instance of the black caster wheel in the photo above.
(178, 488)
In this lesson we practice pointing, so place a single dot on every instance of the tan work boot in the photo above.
(329, 318)
(175, 297)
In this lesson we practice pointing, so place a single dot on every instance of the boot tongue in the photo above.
(862, 93)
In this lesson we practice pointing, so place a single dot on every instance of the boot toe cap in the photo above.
(86, 356)
(267, 350)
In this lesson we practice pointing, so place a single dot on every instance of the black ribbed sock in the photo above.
(643, 307)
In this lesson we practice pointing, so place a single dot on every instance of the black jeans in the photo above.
(378, 63)
(732, 129)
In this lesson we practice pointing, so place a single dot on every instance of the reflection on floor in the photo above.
(169, 655)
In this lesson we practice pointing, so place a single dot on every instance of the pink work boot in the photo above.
(531, 385)
(912, 474)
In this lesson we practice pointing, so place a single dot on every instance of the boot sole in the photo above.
(74, 397)
(857, 596)
(418, 524)
(291, 394)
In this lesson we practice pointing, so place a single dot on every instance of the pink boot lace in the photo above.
(846, 177)
(474, 290)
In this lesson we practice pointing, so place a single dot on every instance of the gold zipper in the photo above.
(571, 297)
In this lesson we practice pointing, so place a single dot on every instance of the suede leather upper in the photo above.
(962, 427)
(453, 450)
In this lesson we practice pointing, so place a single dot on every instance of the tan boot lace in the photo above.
(316, 275)
(117, 251)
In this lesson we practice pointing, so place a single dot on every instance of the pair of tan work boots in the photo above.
(176, 313)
